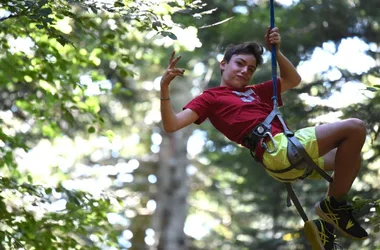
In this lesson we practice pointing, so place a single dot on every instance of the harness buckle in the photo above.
(264, 145)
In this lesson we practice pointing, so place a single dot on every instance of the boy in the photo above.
(234, 108)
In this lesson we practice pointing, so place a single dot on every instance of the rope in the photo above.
(291, 195)
(274, 60)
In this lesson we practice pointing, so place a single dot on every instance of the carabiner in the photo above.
(264, 145)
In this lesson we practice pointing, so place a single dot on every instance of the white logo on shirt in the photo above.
(245, 96)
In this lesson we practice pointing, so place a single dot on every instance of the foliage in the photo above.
(37, 217)
(86, 69)
(58, 58)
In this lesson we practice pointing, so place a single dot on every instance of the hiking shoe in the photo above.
(340, 216)
(320, 235)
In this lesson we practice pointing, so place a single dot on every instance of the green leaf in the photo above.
(30, 178)
(48, 20)
(119, 4)
(46, 11)
(123, 72)
(372, 89)
(95, 10)
(110, 36)
(126, 59)
(172, 36)
(110, 135)
(169, 34)
(8, 158)
(62, 41)
(156, 25)
(91, 130)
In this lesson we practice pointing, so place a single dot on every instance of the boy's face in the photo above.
(238, 72)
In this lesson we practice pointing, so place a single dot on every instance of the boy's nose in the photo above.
(245, 70)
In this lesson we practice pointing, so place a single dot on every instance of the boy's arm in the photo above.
(289, 76)
(170, 120)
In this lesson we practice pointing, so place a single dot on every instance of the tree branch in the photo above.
(218, 23)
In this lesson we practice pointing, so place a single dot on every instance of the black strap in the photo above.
(292, 139)
(287, 132)
(297, 147)
(275, 112)
(296, 202)
(270, 117)
(310, 163)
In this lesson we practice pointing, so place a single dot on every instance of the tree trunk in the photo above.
(169, 218)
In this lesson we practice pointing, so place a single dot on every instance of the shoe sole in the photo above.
(324, 217)
(312, 236)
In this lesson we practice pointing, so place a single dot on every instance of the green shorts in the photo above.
(279, 159)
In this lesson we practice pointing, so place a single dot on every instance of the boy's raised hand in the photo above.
(171, 72)
(272, 36)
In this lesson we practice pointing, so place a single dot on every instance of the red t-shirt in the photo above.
(234, 112)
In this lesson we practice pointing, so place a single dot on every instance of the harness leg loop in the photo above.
(296, 202)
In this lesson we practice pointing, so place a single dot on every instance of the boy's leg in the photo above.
(329, 160)
(329, 163)
(347, 137)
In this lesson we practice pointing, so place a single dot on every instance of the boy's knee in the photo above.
(357, 125)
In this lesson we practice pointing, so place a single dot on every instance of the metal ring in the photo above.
(273, 142)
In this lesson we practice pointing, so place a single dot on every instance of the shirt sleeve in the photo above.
(202, 105)
(265, 91)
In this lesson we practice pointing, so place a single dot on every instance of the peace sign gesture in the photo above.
(171, 72)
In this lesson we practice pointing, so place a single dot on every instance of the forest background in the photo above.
(85, 163)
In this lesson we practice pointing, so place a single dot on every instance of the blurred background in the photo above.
(85, 163)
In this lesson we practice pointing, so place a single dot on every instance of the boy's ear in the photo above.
(222, 64)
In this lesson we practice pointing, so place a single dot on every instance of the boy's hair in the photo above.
(251, 48)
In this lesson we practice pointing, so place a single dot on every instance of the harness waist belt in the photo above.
(295, 157)
(254, 137)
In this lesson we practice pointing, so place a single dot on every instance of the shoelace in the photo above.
(336, 245)
(327, 234)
